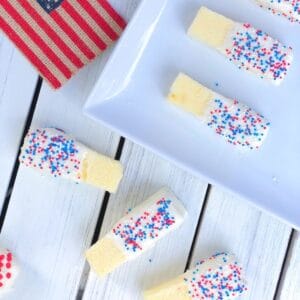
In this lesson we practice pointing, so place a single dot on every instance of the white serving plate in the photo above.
(129, 97)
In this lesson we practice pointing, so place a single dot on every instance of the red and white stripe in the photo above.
(62, 41)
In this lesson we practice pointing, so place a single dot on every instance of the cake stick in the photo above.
(50, 151)
(138, 231)
(235, 122)
(248, 48)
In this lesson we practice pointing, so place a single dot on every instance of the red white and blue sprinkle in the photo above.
(51, 150)
(217, 278)
(255, 51)
(239, 124)
(137, 230)
(8, 270)
(289, 9)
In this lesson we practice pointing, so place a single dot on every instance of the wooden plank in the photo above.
(145, 174)
(258, 240)
(289, 288)
(50, 222)
(17, 84)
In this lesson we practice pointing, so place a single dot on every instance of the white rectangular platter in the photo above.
(130, 97)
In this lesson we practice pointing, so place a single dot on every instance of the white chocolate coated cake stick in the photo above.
(50, 151)
(289, 9)
(248, 48)
(216, 278)
(236, 122)
(137, 232)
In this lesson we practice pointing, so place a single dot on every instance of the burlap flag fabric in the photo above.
(60, 36)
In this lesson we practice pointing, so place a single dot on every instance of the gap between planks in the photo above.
(106, 197)
(105, 202)
(103, 210)
(103, 207)
(17, 163)
(198, 227)
(196, 233)
(282, 273)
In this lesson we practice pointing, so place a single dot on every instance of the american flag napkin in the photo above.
(60, 36)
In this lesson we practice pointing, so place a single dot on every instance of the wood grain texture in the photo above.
(258, 240)
(17, 84)
(289, 288)
(50, 222)
(145, 174)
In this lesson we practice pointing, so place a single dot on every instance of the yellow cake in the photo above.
(210, 27)
(105, 256)
(190, 95)
(175, 289)
(101, 171)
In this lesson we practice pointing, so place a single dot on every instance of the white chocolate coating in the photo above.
(142, 227)
(255, 51)
(287, 8)
(218, 277)
(50, 151)
(236, 122)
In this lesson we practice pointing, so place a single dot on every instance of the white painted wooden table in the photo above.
(49, 223)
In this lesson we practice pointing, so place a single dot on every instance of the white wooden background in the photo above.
(49, 223)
